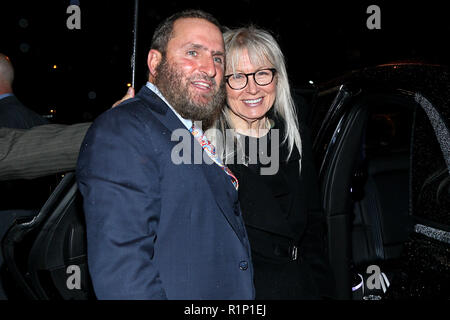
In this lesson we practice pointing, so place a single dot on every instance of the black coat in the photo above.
(281, 211)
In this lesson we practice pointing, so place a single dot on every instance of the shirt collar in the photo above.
(187, 122)
(2, 96)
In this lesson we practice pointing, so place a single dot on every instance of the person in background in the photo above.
(28, 157)
(13, 114)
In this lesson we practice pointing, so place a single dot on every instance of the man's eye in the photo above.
(218, 60)
(192, 53)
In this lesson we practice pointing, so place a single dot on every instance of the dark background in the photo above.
(321, 40)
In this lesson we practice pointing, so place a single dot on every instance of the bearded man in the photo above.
(157, 229)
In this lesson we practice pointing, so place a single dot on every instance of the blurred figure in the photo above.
(13, 114)
(40, 151)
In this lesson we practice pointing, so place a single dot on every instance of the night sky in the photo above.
(321, 40)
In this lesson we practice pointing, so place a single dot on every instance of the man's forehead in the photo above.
(190, 29)
(193, 22)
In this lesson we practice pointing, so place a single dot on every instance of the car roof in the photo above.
(430, 80)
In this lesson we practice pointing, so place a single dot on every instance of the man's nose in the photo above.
(208, 67)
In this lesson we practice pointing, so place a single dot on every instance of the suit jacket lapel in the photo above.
(226, 198)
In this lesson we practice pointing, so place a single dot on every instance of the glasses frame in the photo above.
(273, 70)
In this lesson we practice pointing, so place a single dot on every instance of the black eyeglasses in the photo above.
(238, 81)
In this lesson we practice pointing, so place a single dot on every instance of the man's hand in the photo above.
(128, 95)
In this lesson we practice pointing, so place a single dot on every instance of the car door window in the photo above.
(430, 187)
(424, 268)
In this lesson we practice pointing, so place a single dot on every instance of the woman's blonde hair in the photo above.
(262, 48)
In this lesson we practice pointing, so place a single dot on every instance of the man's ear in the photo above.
(153, 60)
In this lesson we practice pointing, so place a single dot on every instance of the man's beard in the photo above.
(175, 88)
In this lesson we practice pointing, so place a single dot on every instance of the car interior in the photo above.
(366, 190)
(381, 200)
(381, 221)
(376, 166)
(40, 253)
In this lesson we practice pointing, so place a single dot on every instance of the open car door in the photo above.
(45, 258)
(385, 186)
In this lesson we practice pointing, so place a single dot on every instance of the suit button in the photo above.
(243, 265)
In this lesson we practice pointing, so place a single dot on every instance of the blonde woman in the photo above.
(280, 206)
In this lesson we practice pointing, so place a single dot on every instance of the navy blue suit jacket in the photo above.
(156, 229)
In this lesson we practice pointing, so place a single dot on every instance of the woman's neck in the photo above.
(256, 128)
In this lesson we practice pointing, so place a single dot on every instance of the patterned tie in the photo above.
(211, 151)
